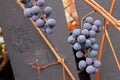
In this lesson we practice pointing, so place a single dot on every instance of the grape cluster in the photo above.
(84, 44)
(34, 10)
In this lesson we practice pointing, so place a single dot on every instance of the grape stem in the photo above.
(39, 67)
(107, 23)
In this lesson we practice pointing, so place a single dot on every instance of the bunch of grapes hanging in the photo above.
(35, 10)
(84, 44)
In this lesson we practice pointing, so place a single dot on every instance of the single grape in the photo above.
(27, 12)
(88, 43)
(76, 32)
(71, 39)
(87, 26)
(82, 64)
(35, 17)
(89, 61)
(89, 20)
(79, 54)
(48, 11)
(93, 53)
(97, 64)
(81, 38)
(76, 46)
(90, 69)
(92, 33)
(51, 23)
(85, 32)
(40, 3)
(29, 4)
(35, 10)
(49, 30)
(93, 40)
(95, 47)
(98, 23)
(95, 28)
(40, 23)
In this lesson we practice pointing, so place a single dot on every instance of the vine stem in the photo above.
(107, 23)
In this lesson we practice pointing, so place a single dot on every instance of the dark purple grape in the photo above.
(92, 33)
(82, 64)
(97, 64)
(89, 20)
(27, 12)
(93, 40)
(88, 43)
(79, 54)
(48, 11)
(40, 3)
(51, 23)
(95, 28)
(81, 38)
(76, 46)
(71, 39)
(35, 10)
(98, 23)
(35, 17)
(29, 4)
(95, 47)
(85, 32)
(90, 69)
(76, 32)
(89, 61)
(49, 30)
(40, 23)
(93, 53)
(87, 26)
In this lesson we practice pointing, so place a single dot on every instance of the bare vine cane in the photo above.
(113, 51)
(39, 67)
(106, 26)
